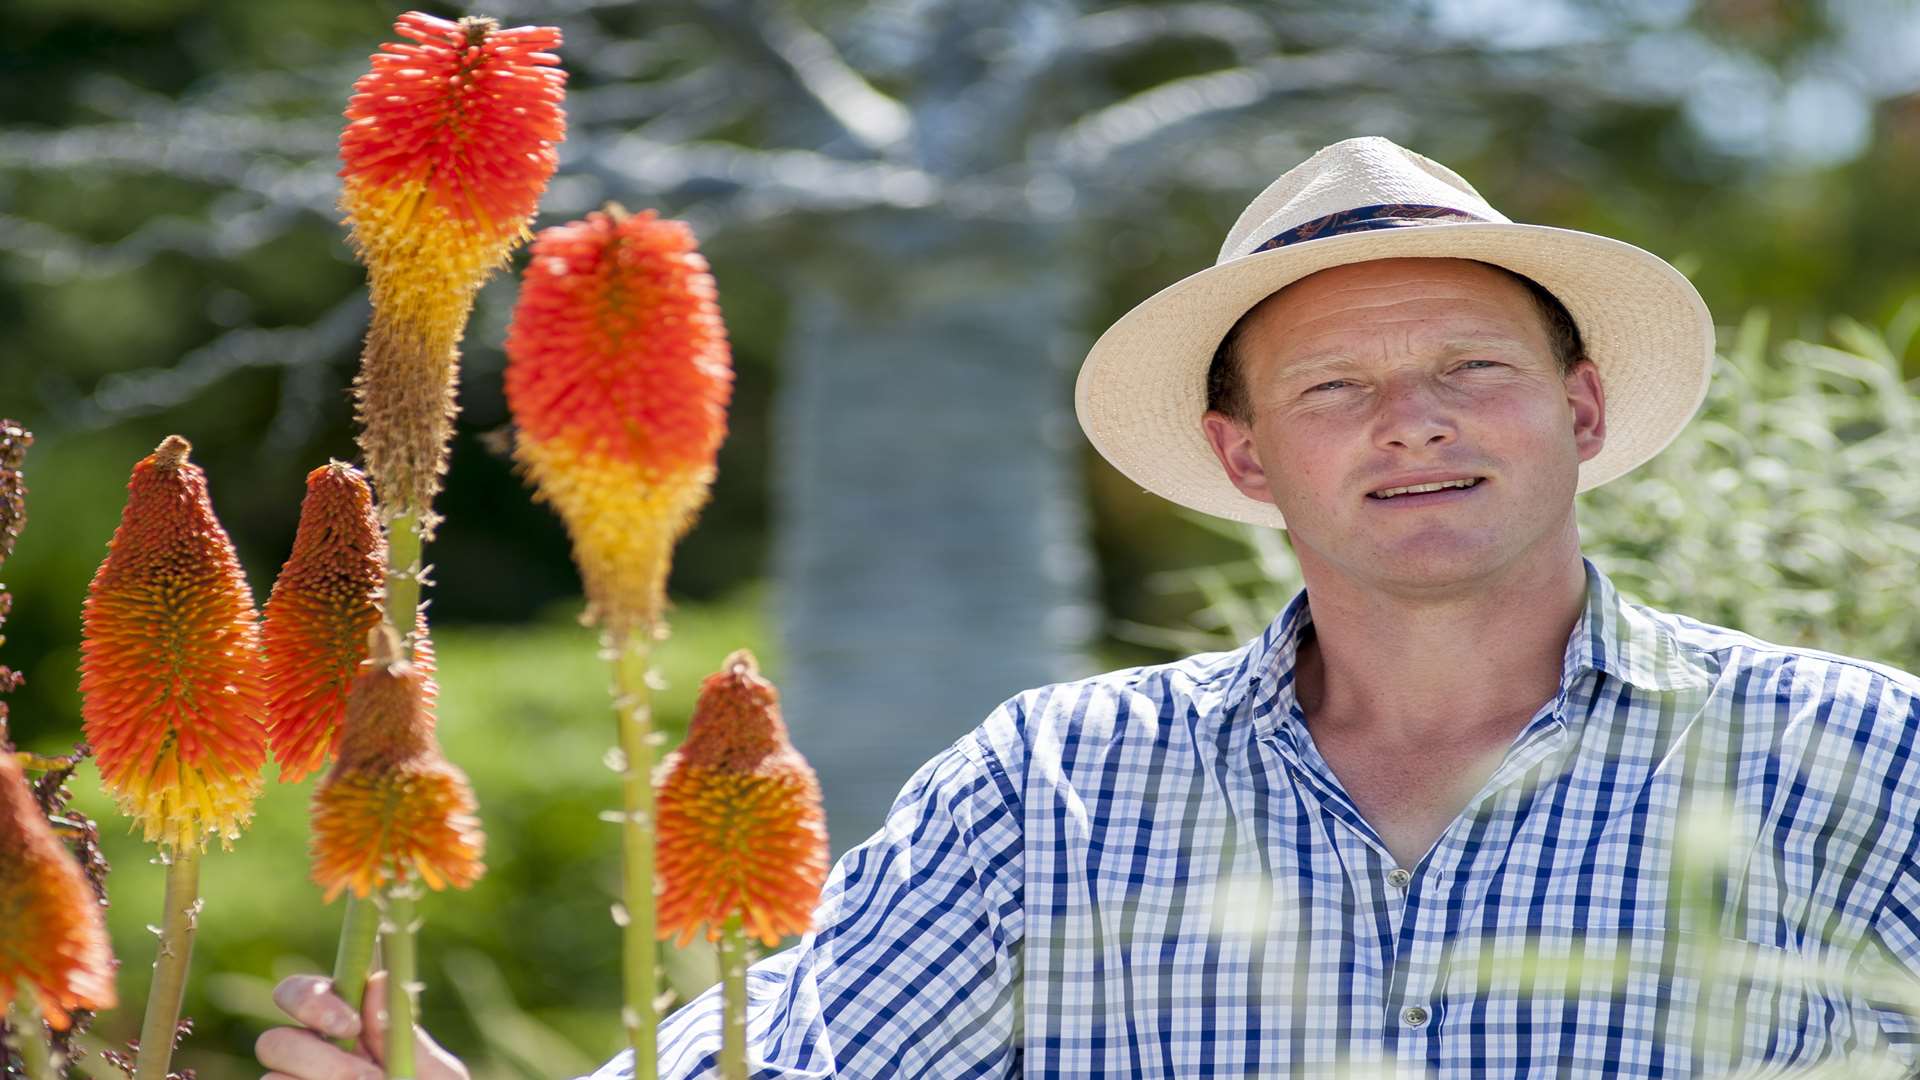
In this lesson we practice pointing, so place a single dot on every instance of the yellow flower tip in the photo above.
(55, 935)
(172, 452)
(393, 808)
(173, 694)
(740, 827)
(624, 519)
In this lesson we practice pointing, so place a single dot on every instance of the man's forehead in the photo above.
(1458, 302)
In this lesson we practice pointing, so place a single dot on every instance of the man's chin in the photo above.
(1435, 561)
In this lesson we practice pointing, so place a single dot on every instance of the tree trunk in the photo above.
(931, 549)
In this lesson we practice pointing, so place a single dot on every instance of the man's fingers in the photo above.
(373, 1017)
(430, 1060)
(435, 1062)
(306, 1056)
(310, 1000)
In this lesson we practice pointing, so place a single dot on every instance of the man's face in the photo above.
(1381, 375)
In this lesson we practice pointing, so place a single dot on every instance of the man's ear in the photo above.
(1232, 442)
(1588, 400)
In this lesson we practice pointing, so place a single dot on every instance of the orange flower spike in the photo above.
(450, 142)
(325, 601)
(171, 688)
(618, 377)
(740, 824)
(392, 807)
(53, 934)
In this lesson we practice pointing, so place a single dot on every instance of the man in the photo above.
(1460, 810)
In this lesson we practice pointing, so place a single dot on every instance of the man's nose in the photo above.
(1409, 415)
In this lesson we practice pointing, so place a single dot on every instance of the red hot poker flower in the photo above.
(618, 377)
(53, 937)
(740, 824)
(459, 122)
(324, 603)
(171, 689)
(449, 143)
(393, 807)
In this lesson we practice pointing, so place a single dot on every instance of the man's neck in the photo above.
(1406, 671)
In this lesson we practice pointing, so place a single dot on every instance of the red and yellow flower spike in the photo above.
(393, 809)
(450, 142)
(171, 689)
(741, 831)
(53, 939)
(323, 605)
(618, 377)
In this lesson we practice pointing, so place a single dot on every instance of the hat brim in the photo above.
(1142, 390)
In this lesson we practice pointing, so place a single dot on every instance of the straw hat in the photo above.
(1142, 389)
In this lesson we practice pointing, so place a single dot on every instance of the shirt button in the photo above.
(1413, 1016)
(1398, 878)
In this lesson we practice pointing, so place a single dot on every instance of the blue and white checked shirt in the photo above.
(1153, 873)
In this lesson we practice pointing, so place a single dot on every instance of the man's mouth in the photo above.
(1422, 489)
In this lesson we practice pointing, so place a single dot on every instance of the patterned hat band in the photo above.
(1364, 218)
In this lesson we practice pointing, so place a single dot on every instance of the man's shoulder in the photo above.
(1144, 701)
(1793, 672)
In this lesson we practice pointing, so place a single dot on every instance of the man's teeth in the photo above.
(1415, 489)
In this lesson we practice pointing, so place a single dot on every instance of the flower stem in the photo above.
(733, 998)
(177, 927)
(632, 667)
(29, 1039)
(404, 574)
(354, 957)
(396, 945)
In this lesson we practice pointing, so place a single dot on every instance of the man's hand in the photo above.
(305, 1053)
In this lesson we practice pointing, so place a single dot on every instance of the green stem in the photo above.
(632, 667)
(396, 945)
(353, 959)
(733, 998)
(177, 926)
(403, 575)
(28, 1038)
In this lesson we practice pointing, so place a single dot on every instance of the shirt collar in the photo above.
(1612, 637)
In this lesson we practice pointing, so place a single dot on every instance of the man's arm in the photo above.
(913, 968)
(1895, 929)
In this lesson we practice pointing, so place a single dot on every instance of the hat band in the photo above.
(1363, 218)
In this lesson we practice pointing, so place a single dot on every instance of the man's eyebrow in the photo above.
(1317, 363)
(1488, 344)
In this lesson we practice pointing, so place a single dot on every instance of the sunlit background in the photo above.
(920, 214)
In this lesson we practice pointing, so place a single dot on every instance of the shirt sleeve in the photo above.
(1895, 937)
(913, 968)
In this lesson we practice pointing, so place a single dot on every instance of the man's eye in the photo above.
(1481, 363)
(1333, 385)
